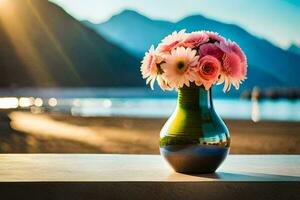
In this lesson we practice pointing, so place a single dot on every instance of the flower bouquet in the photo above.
(194, 139)
(202, 57)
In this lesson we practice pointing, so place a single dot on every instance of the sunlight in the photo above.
(106, 138)
(56, 44)
(42, 125)
(2, 2)
(20, 36)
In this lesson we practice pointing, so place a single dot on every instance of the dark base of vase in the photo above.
(194, 159)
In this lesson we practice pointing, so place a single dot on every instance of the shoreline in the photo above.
(61, 133)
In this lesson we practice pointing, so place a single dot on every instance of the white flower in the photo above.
(179, 67)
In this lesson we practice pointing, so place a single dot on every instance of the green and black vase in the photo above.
(194, 140)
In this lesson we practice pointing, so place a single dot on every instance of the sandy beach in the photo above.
(59, 133)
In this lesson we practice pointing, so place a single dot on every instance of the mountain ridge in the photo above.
(261, 53)
(294, 49)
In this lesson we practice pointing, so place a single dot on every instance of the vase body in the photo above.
(194, 139)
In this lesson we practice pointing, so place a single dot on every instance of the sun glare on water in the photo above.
(8, 102)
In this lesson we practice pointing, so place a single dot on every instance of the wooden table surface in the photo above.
(89, 176)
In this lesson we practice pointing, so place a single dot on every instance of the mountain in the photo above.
(133, 31)
(43, 46)
(294, 49)
(269, 66)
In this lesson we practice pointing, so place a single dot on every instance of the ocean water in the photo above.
(142, 103)
(283, 110)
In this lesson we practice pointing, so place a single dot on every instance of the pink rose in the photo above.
(195, 39)
(208, 71)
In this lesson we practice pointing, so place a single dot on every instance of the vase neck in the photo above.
(194, 97)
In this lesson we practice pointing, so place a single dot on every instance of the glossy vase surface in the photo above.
(194, 139)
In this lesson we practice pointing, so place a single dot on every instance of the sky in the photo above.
(275, 20)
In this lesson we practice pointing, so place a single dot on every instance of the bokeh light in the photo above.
(52, 102)
(25, 102)
(38, 102)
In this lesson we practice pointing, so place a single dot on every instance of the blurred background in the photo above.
(70, 79)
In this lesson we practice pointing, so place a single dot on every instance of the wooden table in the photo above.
(107, 176)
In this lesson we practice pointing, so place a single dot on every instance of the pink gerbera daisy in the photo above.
(215, 36)
(149, 68)
(234, 68)
(195, 39)
(171, 41)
